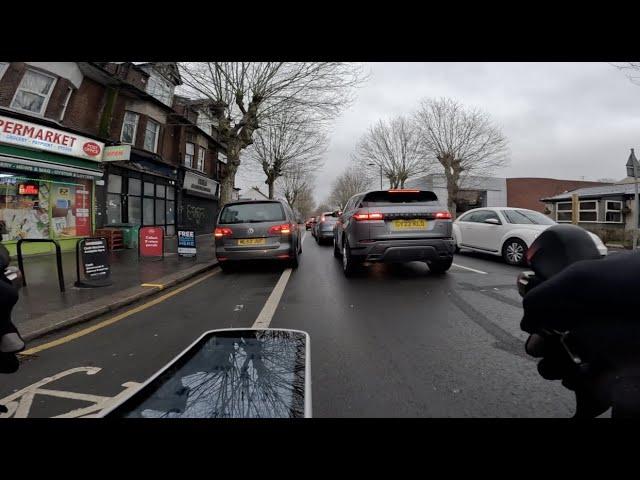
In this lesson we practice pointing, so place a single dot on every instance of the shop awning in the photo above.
(49, 163)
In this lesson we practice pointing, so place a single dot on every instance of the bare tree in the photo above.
(291, 140)
(394, 148)
(243, 95)
(348, 183)
(463, 140)
(295, 186)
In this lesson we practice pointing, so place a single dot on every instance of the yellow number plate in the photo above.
(252, 241)
(413, 224)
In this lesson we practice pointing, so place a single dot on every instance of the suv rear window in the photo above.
(398, 197)
(252, 213)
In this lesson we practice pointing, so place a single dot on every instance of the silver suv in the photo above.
(394, 226)
(257, 230)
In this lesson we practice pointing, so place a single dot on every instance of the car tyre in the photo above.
(441, 265)
(349, 264)
(514, 251)
(336, 249)
(226, 267)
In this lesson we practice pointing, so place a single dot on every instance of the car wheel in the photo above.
(349, 265)
(441, 265)
(293, 263)
(226, 267)
(336, 249)
(514, 251)
(317, 239)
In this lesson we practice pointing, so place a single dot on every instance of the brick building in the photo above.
(528, 192)
(57, 118)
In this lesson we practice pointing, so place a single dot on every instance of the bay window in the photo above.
(129, 128)
(563, 212)
(189, 154)
(201, 153)
(34, 92)
(151, 134)
(588, 211)
(613, 211)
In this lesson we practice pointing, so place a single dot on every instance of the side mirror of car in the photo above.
(492, 221)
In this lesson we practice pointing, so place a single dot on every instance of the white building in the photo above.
(476, 192)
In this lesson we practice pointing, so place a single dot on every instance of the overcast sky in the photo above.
(563, 120)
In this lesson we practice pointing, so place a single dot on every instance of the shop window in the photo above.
(563, 212)
(170, 213)
(134, 209)
(171, 230)
(147, 211)
(114, 208)
(33, 92)
(160, 191)
(129, 128)
(189, 153)
(151, 134)
(613, 211)
(159, 211)
(170, 194)
(149, 189)
(115, 184)
(135, 187)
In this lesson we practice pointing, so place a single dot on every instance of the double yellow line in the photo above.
(117, 318)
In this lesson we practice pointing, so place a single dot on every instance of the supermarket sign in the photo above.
(40, 137)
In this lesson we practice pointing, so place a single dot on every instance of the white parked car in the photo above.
(504, 231)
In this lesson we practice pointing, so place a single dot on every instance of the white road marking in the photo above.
(269, 309)
(470, 269)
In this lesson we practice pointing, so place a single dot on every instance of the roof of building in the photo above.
(602, 191)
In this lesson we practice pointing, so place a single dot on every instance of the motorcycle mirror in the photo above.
(558, 247)
(229, 373)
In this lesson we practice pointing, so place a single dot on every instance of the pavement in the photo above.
(393, 341)
(43, 309)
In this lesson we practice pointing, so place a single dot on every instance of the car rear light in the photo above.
(443, 215)
(222, 259)
(283, 229)
(222, 231)
(283, 256)
(364, 216)
(322, 218)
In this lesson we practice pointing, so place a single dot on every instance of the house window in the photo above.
(201, 153)
(151, 135)
(160, 89)
(3, 68)
(129, 128)
(563, 212)
(588, 211)
(613, 211)
(33, 92)
(188, 155)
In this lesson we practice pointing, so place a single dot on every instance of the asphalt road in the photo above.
(394, 341)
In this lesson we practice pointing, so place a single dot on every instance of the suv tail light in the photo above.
(283, 229)
(364, 216)
(443, 215)
(222, 231)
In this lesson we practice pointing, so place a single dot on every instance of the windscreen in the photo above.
(383, 198)
(329, 217)
(525, 217)
(252, 213)
(229, 374)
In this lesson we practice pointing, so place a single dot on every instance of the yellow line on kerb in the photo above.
(157, 285)
(117, 318)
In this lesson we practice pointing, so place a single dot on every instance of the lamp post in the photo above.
(373, 165)
(632, 171)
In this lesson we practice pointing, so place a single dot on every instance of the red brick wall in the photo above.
(527, 192)
(85, 106)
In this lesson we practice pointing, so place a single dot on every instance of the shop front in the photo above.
(140, 192)
(199, 203)
(45, 194)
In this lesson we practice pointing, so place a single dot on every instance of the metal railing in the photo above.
(58, 259)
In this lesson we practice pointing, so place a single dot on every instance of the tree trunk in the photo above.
(229, 180)
(270, 183)
(452, 193)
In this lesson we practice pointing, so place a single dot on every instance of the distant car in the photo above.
(394, 226)
(504, 231)
(323, 229)
(310, 222)
(257, 230)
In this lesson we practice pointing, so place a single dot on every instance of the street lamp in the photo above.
(632, 171)
(373, 165)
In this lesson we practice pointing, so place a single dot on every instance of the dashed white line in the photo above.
(470, 269)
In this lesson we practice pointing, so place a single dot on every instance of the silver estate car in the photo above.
(394, 226)
(322, 231)
(257, 230)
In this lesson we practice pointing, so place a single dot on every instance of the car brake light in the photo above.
(363, 216)
(443, 215)
(285, 228)
(222, 231)
(322, 218)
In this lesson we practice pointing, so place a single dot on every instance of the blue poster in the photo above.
(186, 243)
